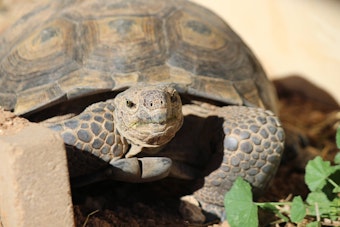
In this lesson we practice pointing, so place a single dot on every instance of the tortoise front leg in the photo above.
(252, 146)
(96, 151)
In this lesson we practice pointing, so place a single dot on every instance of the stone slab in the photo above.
(34, 183)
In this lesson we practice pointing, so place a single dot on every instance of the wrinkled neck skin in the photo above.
(148, 116)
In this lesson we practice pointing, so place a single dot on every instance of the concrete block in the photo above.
(34, 182)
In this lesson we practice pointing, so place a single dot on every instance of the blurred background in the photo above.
(300, 37)
(289, 37)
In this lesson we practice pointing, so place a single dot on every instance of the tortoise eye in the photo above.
(130, 104)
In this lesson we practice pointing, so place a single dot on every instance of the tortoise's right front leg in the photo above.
(96, 150)
(94, 131)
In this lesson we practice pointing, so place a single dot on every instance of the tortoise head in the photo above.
(148, 116)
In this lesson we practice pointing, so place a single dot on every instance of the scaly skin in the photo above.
(215, 144)
(145, 117)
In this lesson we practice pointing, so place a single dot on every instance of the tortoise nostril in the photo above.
(155, 104)
(154, 99)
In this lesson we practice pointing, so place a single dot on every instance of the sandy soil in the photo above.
(10, 124)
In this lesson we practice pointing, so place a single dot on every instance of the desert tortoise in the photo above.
(148, 66)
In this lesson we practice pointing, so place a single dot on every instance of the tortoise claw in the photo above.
(139, 169)
(134, 170)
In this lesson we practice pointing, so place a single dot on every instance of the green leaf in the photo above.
(314, 224)
(238, 202)
(337, 157)
(334, 213)
(298, 210)
(318, 200)
(317, 172)
(338, 137)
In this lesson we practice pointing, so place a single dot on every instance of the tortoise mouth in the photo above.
(155, 126)
(153, 134)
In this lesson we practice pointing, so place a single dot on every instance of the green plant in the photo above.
(322, 203)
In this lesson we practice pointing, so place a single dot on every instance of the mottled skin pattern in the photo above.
(252, 148)
(72, 50)
(143, 117)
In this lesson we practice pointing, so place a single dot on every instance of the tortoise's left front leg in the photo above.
(253, 141)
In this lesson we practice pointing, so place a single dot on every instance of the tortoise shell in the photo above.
(68, 49)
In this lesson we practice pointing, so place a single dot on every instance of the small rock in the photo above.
(10, 123)
(191, 210)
